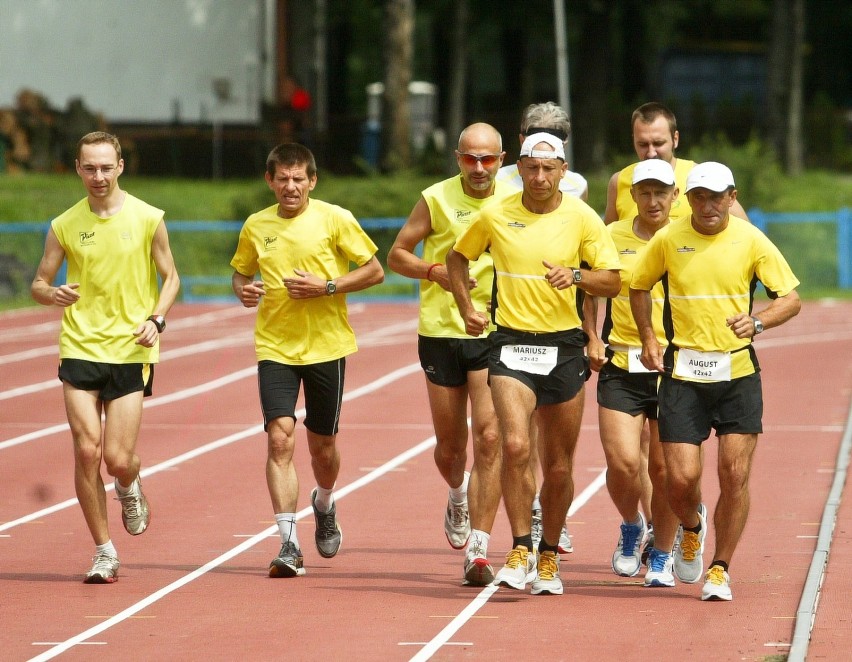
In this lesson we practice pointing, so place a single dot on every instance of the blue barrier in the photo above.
(842, 217)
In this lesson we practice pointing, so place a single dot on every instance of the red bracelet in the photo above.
(429, 270)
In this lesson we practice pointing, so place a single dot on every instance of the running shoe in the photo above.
(288, 563)
(688, 554)
(626, 559)
(565, 545)
(649, 544)
(134, 508)
(660, 567)
(520, 568)
(457, 523)
(717, 585)
(104, 570)
(328, 535)
(547, 580)
(477, 570)
(535, 527)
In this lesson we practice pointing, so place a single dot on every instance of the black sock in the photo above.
(721, 564)
(544, 547)
(526, 541)
(696, 529)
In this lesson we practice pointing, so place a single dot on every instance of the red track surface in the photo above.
(195, 586)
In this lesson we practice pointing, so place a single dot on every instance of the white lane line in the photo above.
(219, 443)
(443, 637)
(235, 551)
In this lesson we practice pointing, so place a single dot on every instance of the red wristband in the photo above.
(429, 270)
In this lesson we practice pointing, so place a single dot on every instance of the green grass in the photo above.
(810, 248)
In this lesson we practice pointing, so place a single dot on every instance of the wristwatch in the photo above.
(578, 275)
(159, 321)
(330, 288)
(758, 325)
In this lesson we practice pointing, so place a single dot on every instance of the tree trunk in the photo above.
(795, 141)
(784, 83)
(458, 82)
(396, 122)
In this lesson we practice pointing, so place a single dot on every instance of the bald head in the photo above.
(479, 156)
(480, 134)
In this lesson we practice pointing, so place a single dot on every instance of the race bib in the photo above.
(529, 358)
(704, 366)
(634, 360)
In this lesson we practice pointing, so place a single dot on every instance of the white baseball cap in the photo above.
(655, 169)
(713, 176)
(531, 141)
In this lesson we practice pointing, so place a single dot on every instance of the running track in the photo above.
(194, 586)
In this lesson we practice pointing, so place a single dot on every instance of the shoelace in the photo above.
(327, 527)
(547, 566)
(102, 562)
(457, 514)
(716, 575)
(657, 562)
(130, 503)
(689, 545)
(517, 558)
(629, 538)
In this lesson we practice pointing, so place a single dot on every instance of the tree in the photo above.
(785, 82)
(396, 123)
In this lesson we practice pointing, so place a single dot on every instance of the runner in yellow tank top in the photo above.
(115, 246)
(454, 363)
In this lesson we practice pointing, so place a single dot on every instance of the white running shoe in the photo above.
(135, 513)
(104, 570)
(547, 580)
(565, 545)
(688, 554)
(457, 523)
(535, 527)
(717, 585)
(627, 557)
(520, 568)
(659, 571)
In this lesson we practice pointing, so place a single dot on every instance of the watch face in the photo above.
(330, 287)
(578, 275)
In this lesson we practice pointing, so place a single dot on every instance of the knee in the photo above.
(118, 463)
(280, 444)
(87, 453)
(516, 451)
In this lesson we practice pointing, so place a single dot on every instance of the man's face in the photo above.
(710, 209)
(479, 158)
(654, 140)
(654, 201)
(99, 167)
(541, 177)
(292, 187)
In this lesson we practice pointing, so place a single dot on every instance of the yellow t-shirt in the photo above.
(710, 278)
(519, 240)
(452, 211)
(111, 259)
(619, 328)
(323, 240)
(626, 207)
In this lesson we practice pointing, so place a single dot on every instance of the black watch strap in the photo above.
(159, 321)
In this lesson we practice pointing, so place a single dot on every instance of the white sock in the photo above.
(459, 494)
(107, 548)
(121, 489)
(479, 542)
(324, 499)
(287, 527)
(536, 503)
